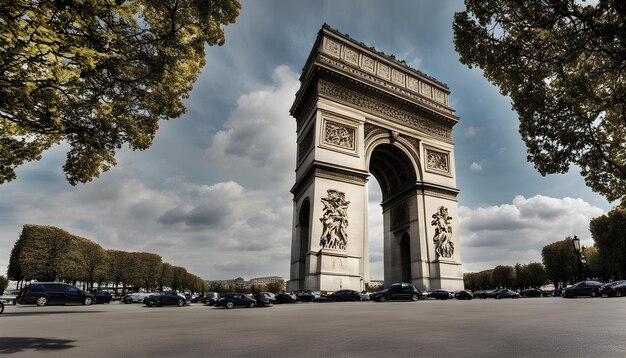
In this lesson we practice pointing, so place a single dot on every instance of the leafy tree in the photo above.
(4, 283)
(165, 276)
(503, 276)
(560, 261)
(14, 271)
(609, 233)
(148, 267)
(98, 75)
(276, 286)
(46, 253)
(536, 274)
(119, 267)
(178, 278)
(562, 64)
(89, 260)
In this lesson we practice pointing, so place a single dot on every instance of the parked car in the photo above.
(286, 297)
(504, 293)
(101, 296)
(345, 295)
(210, 298)
(304, 295)
(614, 289)
(263, 299)
(531, 292)
(271, 296)
(44, 293)
(159, 299)
(1, 307)
(318, 296)
(196, 298)
(397, 291)
(134, 297)
(583, 288)
(233, 299)
(463, 295)
(440, 295)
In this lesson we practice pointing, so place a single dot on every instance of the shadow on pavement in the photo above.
(39, 313)
(20, 344)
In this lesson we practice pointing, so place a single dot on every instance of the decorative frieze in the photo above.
(399, 215)
(339, 135)
(398, 76)
(383, 78)
(437, 161)
(444, 247)
(378, 107)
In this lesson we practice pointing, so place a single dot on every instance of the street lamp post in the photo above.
(580, 252)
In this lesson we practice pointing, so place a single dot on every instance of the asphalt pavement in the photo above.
(527, 327)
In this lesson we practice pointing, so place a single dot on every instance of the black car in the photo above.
(102, 296)
(1, 307)
(232, 299)
(463, 295)
(344, 295)
(304, 295)
(286, 297)
(503, 293)
(159, 299)
(531, 292)
(583, 288)
(44, 293)
(397, 291)
(440, 295)
(614, 289)
(210, 298)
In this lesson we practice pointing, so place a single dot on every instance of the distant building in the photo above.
(265, 280)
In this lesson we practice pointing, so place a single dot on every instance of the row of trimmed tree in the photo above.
(605, 260)
(47, 253)
(514, 277)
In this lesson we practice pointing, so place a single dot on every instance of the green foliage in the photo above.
(165, 276)
(373, 287)
(609, 233)
(120, 268)
(148, 268)
(503, 276)
(4, 283)
(98, 75)
(536, 274)
(275, 287)
(475, 281)
(46, 253)
(14, 271)
(89, 260)
(560, 261)
(562, 64)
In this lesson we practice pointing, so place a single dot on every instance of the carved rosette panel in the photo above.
(334, 220)
(339, 135)
(444, 247)
(437, 161)
(305, 145)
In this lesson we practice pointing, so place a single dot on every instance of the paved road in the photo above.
(540, 327)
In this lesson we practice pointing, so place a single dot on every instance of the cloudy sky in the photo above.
(212, 193)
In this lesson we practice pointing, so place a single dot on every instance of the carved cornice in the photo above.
(439, 192)
(375, 106)
(328, 172)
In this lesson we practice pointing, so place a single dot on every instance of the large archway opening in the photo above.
(392, 173)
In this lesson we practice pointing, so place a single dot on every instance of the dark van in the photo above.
(44, 293)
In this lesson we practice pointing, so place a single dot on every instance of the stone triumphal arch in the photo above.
(361, 112)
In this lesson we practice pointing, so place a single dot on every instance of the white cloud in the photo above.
(470, 132)
(516, 232)
(475, 167)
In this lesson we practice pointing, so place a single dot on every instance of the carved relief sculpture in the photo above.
(444, 247)
(334, 221)
(339, 135)
(437, 161)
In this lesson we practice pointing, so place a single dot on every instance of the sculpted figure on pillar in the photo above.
(444, 247)
(335, 221)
